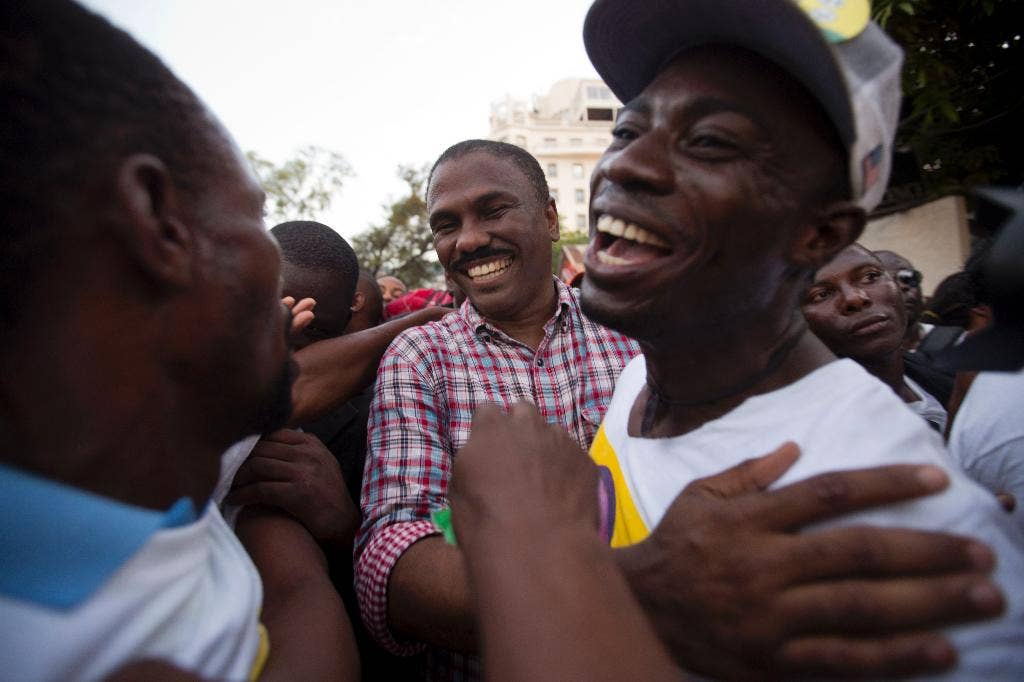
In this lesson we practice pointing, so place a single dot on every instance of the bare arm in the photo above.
(310, 636)
(331, 372)
(429, 598)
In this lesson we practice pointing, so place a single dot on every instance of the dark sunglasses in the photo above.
(909, 277)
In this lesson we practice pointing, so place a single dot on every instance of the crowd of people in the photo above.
(739, 449)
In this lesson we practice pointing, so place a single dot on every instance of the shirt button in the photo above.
(540, 362)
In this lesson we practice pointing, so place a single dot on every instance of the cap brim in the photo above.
(629, 42)
(999, 348)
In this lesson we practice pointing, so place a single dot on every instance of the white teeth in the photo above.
(491, 267)
(631, 231)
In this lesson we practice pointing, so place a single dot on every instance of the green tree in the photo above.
(303, 187)
(962, 100)
(403, 245)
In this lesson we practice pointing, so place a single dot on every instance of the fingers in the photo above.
(750, 475)
(271, 493)
(288, 436)
(866, 607)
(836, 493)
(906, 655)
(300, 321)
(263, 469)
(869, 552)
(303, 305)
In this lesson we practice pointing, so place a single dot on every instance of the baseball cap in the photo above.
(1000, 346)
(849, 65)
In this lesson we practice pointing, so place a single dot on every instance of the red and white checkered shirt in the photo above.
(429, 383)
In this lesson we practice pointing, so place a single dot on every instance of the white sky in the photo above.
(383, 83)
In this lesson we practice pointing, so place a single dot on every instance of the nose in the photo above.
(642, 164)
(853, 299)
(472, 236)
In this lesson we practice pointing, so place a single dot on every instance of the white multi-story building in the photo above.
(567, 130)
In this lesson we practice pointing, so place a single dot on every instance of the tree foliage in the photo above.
(302, 187)
(403, 245)
(962, 104)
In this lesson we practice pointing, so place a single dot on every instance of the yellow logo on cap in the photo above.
(839, 20)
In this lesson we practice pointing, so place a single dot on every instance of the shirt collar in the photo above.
(59, 544)
(480, 326)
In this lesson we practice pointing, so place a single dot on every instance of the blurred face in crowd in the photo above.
(333, 301)
(708, 179)
(391, 288)
(854, 306)
(492, 233)
(909, 281)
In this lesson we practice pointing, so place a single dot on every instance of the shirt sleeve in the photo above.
(406, 478)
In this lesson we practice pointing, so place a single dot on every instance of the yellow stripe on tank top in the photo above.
(629, 528)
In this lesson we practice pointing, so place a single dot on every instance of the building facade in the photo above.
(567, 130)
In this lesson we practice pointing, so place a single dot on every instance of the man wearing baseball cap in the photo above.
(755, 138)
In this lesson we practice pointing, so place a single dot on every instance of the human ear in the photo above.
(153, 229)
(358, 301)
(551, 215)
(835, 227)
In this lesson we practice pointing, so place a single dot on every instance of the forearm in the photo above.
(429, 598)
(560, 597)
(310, 636)
(332, 372)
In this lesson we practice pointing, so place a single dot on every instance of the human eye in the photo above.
(818, 295)
(496, 211)
(872, 275)
(711, 145)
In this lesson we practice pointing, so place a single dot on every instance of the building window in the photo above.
(554, 194)
(579, 196)
(597, 92)
(599, 114)
(575, 141)
(552, 170)
(577, 170)
(581, 221)
(551, 142)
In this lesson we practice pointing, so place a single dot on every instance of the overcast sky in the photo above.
(383, 83)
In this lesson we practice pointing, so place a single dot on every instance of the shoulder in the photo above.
(431, 338)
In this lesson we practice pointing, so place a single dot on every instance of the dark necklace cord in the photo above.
(775, 360)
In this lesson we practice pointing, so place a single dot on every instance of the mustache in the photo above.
(480, 254)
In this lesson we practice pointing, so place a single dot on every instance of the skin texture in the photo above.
(482, 209)
(499, 506)
(391, 288)
(855, 308)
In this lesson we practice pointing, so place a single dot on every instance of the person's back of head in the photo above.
(318, 264)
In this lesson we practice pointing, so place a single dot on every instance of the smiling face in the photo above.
(492, 234)
(855, 307)
(712, 172)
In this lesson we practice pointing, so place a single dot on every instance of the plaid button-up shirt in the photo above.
(429, 383)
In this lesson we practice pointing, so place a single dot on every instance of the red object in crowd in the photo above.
(417, 300)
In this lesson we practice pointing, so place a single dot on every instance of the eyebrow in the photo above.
(639, 105)
(480, 202)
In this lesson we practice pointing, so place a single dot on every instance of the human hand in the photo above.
(296, 473)
(302, 313)
(518, 473)
(737, 592)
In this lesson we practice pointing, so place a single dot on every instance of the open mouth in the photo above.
(619, 242)
(489, 270)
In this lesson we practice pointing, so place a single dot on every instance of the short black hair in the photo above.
(518, 156)
(76, 96)
(310, 244)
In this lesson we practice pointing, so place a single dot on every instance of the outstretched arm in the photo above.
(331, 372)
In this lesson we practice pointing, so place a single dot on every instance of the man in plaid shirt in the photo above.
(520, 337)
